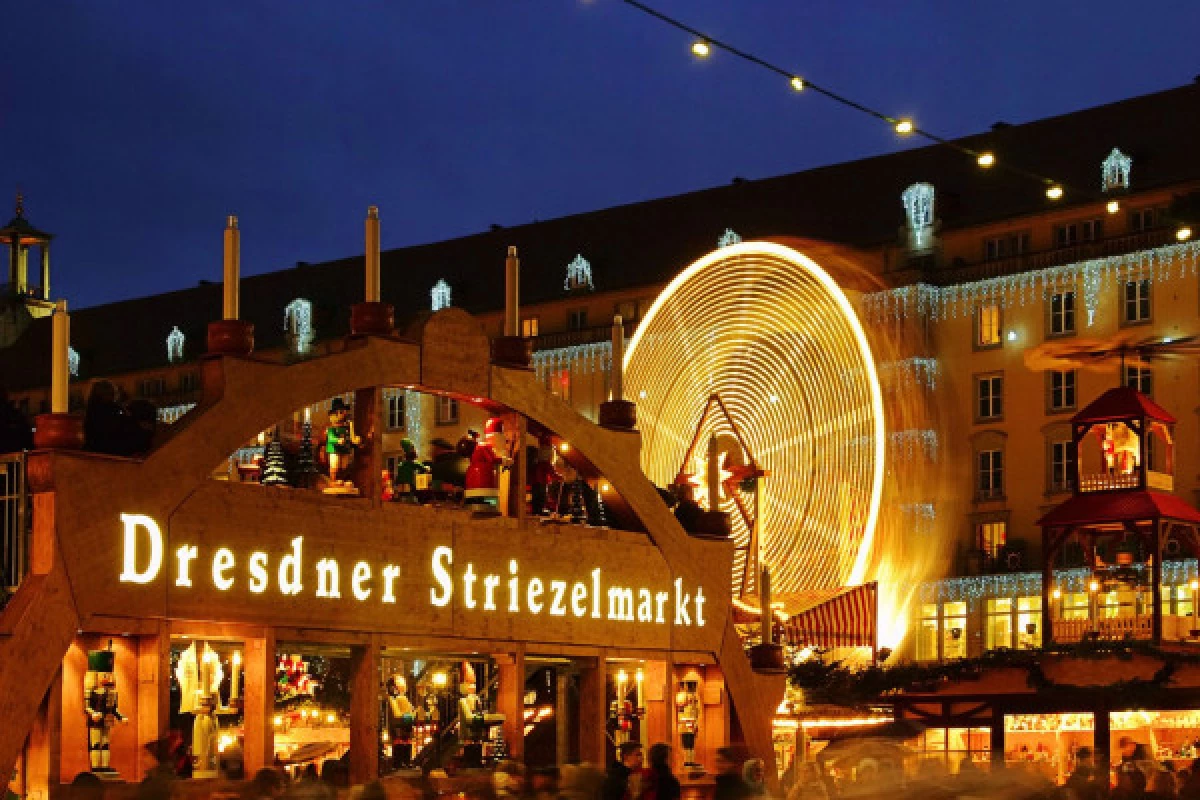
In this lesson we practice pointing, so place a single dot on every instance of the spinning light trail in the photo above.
(766, 329)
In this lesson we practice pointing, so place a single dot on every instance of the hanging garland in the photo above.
(835, 682)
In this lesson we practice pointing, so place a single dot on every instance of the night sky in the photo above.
(134, 127)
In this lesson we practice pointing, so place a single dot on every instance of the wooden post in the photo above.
(259, 702)
(657, 722)
(372, 254)
(1156, 622)
(510, 700)
(41, 765)
(617, 370)
(368, 461)
(562, 735)
(593, 710)
(231, 292)
(364, 711)
(1101, 740)
(519, 471)
(60, 376)
(1047, 589)
(512, 293)
(153, 694)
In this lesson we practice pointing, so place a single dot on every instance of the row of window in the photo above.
(1135, 309)
(1060, 391)
(396, 400)
(1016, 622)
(989, 471)
(1068, 234)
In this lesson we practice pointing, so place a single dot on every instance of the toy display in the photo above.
(100, 704)
(340, 441)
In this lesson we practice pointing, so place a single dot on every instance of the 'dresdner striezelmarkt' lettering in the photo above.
(512, 593)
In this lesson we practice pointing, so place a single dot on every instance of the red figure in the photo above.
(484, 460)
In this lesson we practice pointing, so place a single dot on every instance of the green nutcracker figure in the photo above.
(340, 441)
(100, 706)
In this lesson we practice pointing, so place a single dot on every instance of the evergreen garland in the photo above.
(836, 683)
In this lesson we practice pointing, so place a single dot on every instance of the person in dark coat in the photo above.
(658, 782)
(16, 433)
(729, 783)
(617, 782)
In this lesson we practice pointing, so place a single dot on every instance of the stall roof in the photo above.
(844, 616)
(1096, 508)
(1122, 402)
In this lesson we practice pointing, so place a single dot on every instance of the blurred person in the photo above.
(309, 786)
(1163, 786)
(1084, 782)
(1189, 787)
(1131, 783)
(618, 785)
(543, 783)
(754, 774)
(658, 782)
(267, 784)
(729, 783)
(87, 786)
(581, 782)
(372, 791)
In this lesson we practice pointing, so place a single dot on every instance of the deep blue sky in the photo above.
(133, 127)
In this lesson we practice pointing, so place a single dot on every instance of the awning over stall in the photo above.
(845, 616)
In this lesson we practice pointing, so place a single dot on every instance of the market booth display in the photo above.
(254, 624)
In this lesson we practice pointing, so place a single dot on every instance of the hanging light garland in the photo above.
(704, 45)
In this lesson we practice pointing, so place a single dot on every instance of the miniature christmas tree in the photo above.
(306, 468)
(274, 467)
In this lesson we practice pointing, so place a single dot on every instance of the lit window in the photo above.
(918, 201)
(987, 323)
(954, 630)
(1062, 389)
(529, 327)
(998, 625)
(297, 324)
(990, 397)
(447, 411)
(72, 362)
(992, 536)
(927, 634)
(1029, 622)
(1137, 301)
(990, 477)
(1062, 466)
(1062, 313)
(1139, 378)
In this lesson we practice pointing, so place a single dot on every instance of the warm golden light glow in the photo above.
(986, 160)
(904, 127)
(701, 49)
(604, 487)
(1094, 586)
(438, 679)
(1057, 593)
(855, 722)
(1195, 585)
(1113, 206)
(798, 83)
(748, 322)
(1054, 192)
(1183, 234)
(564, 447)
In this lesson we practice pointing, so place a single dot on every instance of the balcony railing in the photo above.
(1103, 482)
(593, 335)
(1057, 256)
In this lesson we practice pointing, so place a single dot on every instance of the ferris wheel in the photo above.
(753, 361)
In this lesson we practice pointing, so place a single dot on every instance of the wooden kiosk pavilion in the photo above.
(138, 551)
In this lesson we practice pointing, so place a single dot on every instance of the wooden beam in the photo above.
(364, 712)
(510, 700)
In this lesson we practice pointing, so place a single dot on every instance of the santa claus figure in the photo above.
(483, 480)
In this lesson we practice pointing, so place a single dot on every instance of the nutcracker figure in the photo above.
(340, 441)
(100, 705)
(687, 711)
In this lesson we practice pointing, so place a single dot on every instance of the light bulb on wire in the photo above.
(985, 160)
(700, 48)
(1113, 206)
(798, 83)
(1054, 191)
(904, 126)
(1183, 234)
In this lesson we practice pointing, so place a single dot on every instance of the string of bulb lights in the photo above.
(703, 46)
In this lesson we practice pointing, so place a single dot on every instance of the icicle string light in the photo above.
(1028, 584)
(768, 331)
(1087, 278)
